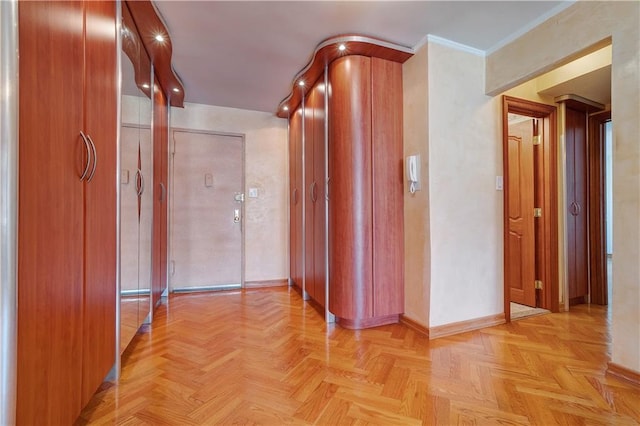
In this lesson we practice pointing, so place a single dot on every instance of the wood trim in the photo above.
(327, 51)
(359, 323)
(149, 24)
(464, 326)
(548, 114)
(414, 325)
(266, 283)
(596, 208)
(623, 373)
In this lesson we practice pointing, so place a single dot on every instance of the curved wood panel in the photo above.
(350, 194)
(328, 51)
(387, 172)
(149, 25)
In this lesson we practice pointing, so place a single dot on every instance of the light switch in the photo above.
(253, 192)
(499, 183)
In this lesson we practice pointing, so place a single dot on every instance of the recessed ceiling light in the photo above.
(145, 85)
(342, 47)
(286, 108)
(301, 83)
(160, 38)
(175, 89)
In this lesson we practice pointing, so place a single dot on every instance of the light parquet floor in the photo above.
(264, 357)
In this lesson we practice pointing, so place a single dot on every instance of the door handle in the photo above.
(95, 159)
(86, 146)
(163, 192)
(236, 216)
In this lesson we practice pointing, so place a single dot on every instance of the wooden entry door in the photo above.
(207, 211)
(520, 221)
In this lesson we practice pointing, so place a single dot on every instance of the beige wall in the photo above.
(266, 168)
(417, 271)
(565, 36)
(453, 227)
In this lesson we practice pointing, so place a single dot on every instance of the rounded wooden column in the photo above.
(350, 190)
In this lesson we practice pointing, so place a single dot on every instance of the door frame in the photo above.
(598, 284)
(549, 177)
(172, 153)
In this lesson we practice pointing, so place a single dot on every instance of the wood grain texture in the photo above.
(328, 51)
(100, 251)
(50, 231)
(549, 262)
(319, 195)
(266, 283)
(310, 103)
(263, 356)
(350, 192)
(296, 230)
(597, 205)
(576, 208)
(387, 183)
(149, 25)
(521, 273)
(464, 326)
(160, 180)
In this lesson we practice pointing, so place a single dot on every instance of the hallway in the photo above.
(262, 356)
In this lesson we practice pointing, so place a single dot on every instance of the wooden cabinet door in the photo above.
(295, 142)
(319, 205)
(51, 211)
(577, 234)
(99, 339)
(350, 208)
(387, 193)
(160, 167)
(309, 185)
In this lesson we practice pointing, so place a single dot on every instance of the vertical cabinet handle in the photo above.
(95, 159)
(163, 192)
(86, 146)
(141, 183)
(314, 192)
(295, 195)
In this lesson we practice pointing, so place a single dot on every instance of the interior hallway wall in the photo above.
(266, 168)
(453, 226)
(579, 28)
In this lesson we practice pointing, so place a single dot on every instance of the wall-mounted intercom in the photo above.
(413, 172)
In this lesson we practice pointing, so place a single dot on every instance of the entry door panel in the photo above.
(521, 256)
(207, 218)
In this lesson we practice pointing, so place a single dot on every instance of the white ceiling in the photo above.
(244, 54)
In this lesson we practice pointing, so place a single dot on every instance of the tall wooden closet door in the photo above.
(100, 348)
(296, 198)
(350, 208)
(50, 235)
(319, 196)
(309, 201)
(577, 232)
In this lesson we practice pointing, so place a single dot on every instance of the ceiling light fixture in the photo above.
(175, 89)
(301, 83)
(160, 38)
(145, 85)
(342, 47)
(285, 108)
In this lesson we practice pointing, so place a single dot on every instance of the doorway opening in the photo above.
(530, 205)
(206, 211)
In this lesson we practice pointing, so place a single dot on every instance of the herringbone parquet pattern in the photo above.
(264, 357)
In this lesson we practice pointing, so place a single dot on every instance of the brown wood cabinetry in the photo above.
(315, 201)
(295, 182)
(67, 201)
(359, 123)
(160, 178)
(365, 192)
